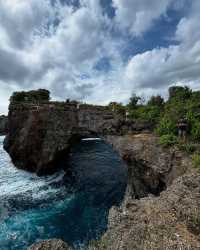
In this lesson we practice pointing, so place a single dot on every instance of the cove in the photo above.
(73, 208)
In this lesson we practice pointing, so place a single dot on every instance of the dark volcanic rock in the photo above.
(53, 244)
(3, 124)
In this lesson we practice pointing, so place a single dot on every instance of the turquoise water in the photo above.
(74, 209)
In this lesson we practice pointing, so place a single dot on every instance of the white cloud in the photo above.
(57, 47)
(159, 68)
(138, 15)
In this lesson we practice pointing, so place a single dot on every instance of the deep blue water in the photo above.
(34, 208)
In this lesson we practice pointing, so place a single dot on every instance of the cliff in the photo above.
(161, 208)
(40, 133)
(3, 124)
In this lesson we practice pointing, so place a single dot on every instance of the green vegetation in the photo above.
(117, 107)
(167, 117)
(168, 140)
(196, 160)
(33, 96)
(188, 147)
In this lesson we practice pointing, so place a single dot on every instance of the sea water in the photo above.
(73, 208)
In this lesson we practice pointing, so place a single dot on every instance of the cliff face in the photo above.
(161, 208)
(39, 136)
(151, 167)
(3, 124)
(170, 221)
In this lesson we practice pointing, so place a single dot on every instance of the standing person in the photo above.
(182, 126)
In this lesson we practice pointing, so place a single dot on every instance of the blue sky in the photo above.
(98, 51)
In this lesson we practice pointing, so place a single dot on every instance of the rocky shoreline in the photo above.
(153, 216)
(161, 207)
(166, 220)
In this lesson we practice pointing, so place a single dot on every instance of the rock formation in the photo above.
(54, 244)
(40, 133)
(151, 167)
(161, 208)
(170, 221)
(3, 124)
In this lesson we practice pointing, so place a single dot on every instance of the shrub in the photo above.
(166, 127)
(195, 130)
(31, 96)
(196, 160)
(188, 147)
(149, 113)
(168, 140)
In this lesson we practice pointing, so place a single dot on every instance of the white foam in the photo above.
(14, 181)
(92, 139)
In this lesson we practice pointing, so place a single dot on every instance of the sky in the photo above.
(98, 51)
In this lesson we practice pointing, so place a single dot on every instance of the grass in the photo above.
(196, 160)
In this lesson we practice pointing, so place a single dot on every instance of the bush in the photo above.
(188, 147)
(168, 140)
(166, 127)
(196, 160)
(149, 113)
(195, 130)
(31, 96)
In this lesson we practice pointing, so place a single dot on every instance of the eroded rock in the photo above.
(151, 167)
(170, 221)
(53, 244)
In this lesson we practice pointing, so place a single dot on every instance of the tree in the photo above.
(179, 92)
(133, 101)
(156, 101)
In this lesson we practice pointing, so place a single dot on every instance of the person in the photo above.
(182, 126)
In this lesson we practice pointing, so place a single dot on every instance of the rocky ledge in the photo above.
(170, 221)
(53, 244)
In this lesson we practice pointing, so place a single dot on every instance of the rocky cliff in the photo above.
(40, 133)
(161, 208)
(3, 124)
(39, 136)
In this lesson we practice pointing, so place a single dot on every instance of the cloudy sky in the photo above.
(98, 50)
